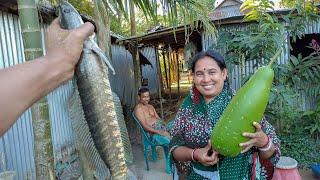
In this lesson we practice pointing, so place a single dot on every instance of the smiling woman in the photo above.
(209, 75)
(198, 115)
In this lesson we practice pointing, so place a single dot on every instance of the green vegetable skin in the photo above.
(247, 106)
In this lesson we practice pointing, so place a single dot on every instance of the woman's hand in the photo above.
(201, 155)
(258, 139)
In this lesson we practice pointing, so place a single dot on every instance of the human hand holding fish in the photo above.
(65, 46)
(26, 83)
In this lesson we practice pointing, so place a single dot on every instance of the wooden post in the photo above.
(159, 80)
(169, 71)
(137, 70)
(178, 70)
(165, 67)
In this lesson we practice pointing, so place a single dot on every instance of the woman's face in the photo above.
(208, 77)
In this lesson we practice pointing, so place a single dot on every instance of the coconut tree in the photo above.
(32, 42)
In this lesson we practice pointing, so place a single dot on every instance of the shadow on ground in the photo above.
(156, 168)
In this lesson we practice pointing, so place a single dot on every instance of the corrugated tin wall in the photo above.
(122, 82)
(16, 146)
(150, 72)
(225, 12)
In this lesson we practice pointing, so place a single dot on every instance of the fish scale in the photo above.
(92, 164)
(99, 112)
(123, 129)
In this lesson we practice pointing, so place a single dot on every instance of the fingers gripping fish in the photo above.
(71, 19)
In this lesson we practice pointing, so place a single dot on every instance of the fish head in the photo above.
(69, 16)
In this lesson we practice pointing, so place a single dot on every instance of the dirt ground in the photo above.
(157, 168)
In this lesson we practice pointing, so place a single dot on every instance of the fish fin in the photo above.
(103, 57)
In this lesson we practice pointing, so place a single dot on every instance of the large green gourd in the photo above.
(247, 106)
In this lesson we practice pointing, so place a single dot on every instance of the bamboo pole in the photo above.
(32, 42)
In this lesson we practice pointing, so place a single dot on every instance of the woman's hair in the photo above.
(210, 53)
(143, 90)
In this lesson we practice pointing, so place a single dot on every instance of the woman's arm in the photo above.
(183, 153)
(274, 153)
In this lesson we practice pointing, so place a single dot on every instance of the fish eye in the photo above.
(66, 10)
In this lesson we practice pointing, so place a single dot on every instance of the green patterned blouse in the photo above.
(192, 128)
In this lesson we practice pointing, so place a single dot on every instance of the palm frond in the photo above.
(193, 11)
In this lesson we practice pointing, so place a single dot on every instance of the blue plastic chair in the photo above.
(316, 169)
(149, 141)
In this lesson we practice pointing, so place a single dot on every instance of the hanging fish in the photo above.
(96, 97)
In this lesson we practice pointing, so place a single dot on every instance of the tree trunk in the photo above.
(133, 29)
(32, 41)
(135, 54)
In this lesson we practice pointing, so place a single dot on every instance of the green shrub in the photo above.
(302, 148)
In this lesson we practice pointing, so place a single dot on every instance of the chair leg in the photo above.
(146, 156)
(166, 155)
(154, 153)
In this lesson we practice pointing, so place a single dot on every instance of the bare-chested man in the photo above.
(148, 116)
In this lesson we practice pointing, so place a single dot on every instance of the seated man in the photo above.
(149, 119)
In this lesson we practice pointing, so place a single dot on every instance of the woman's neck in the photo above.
(207, 100)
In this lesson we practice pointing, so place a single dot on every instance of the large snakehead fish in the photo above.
(96, 97)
